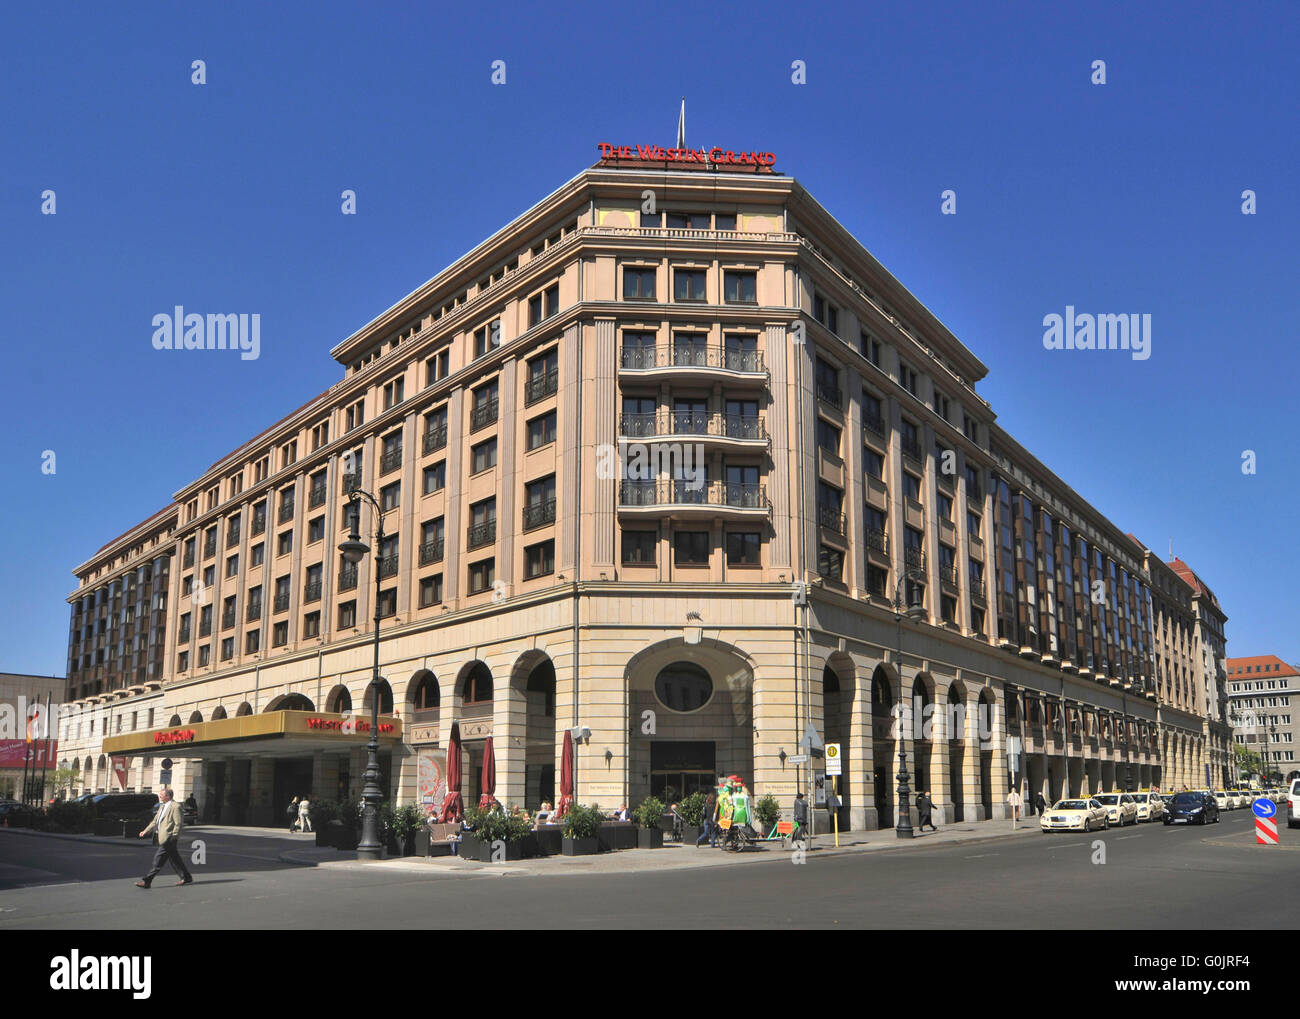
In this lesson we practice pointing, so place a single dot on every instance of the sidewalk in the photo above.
(673, 856)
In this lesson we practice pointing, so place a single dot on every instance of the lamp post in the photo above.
(915, 612)
(354, 550)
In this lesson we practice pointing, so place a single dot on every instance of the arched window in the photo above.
(683, 686)
(218, 713)
(427, 698)
(195, 718)
(244, 709)
(175, 720)
(295, 702)
(542, 680)
(830, 680)
(477, 688)
(385, 697)
(342, 701)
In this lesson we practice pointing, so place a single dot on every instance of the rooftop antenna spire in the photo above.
(681, 126)
(1171, 550)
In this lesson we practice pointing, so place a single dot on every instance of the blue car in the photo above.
(1192, 808)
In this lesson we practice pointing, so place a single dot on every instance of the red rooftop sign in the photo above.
(659, 154)
(175, 736)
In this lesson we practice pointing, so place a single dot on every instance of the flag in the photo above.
(34, 723)
(681, 126)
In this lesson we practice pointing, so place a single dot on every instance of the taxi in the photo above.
(1074, 815)
(1151, 807)
(1121, 808)
(1221, 798)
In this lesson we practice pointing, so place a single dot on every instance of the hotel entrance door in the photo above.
(679, 769)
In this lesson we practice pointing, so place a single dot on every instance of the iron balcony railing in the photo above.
(830, 517)
(351, 482)
(692, 355)
(254, 611)
(232, 535)
(286, 511)
(681, 422)
(948, 573)
(347, 577)
(431, 552)
(228, 618)
(735, 495)
(259, 522)
(282, 602)
(317, 495)
(484, 414)
(481, 534)
(539, 514)
(311, 591)
(189, 558)
(542, 385)
(435, 439)
(914, 557)
(388, 566)
(184, 635)
(976, 587)
(391, 460)
(877, 539)
(830, 393)
(210, 547)
(874, 423)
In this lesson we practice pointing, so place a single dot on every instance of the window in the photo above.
(691, 548)
(320, 435)
(315, 529)
(539, 559)
(945, 507)
(638, 283)
(280, 634)
(487, 338)
(683, 686)
(482, 576)
(871, 348)
(437, 367)
(205, 655)
(252, 642)
(828, 384)
(477, 687)
(639, 548)
(655, 219)
(431, 590)
(910, 439)
(355, 416)
(828, 437)
(689, 284)
(911, 486)
(232, 566)
(258, 554)
(483, 456)
(826, 313)
(311, 624)
(227, 648)
(543, 377)
(435, 477)
(907, 378)
(387, 603)
(543, 305)
(941, 406)
(394, 393)
(743, 548)
(974, 525)
(284, 543)
(539, 507)
(688, 220)
(740, 286)
(726, 221)
(541, 431)
(830, 563)
(485, 406)
(877, 580)
(347, 614)
(874, 464)
(970, 427)
(390, 496)
(288, 453)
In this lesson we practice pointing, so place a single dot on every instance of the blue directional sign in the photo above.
(1264, 808)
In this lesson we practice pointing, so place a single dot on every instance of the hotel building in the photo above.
(1259, 705)
(670, 458)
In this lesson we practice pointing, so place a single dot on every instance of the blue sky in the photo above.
(1115, 198)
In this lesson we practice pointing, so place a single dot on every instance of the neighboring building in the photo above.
(1209, 648)
(1259, 704)
(813, 446)
(1191, 736)
(27, 703)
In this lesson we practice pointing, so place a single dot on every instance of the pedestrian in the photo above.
(1040, 803)
(800, 818)
(304, 813)
(1013, 801)
(291, 812)
(925, 807)
(168, 824)
(710, 805)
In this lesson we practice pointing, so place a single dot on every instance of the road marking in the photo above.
(1121, 838)
(980, 856)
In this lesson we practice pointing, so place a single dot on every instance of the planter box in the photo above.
(470, 846)
(549, 841)
(511, 851)
(323, 838)
(691, 834)
(420, 842)
(650, 838)
(580, 847)
(615, 835)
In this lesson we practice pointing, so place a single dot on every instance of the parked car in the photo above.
(1121, 808)
(1192, 808)
(1150, 806)
(1074, 815)
(1221, 799)
(1293, 804)
(124, 805)
(16, 810)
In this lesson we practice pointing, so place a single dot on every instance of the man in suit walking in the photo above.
(167, 822)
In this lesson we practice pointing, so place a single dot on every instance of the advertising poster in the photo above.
(433, 778)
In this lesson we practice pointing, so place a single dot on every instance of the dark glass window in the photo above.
(638, 283)
(691, 548)
(743, 548)
(639, 547)
(683, 686)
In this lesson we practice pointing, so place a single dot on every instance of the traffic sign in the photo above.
(833, 762)
(798, 759)
(811, 739)
(1264, 808)
(1265, 832)
(167, 764)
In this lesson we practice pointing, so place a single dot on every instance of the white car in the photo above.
(1150, 806)
(1074, 815)
(1238, 798)
(1121, 808)
(1222, 798)
(1293, 804)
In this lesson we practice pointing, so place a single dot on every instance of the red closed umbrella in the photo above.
(452, 808)
(566, 776)
(488, 776)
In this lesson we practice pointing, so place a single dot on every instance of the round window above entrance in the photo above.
(683, 687)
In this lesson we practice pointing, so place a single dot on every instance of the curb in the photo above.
(98, 840)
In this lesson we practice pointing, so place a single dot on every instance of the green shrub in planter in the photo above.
(493, 826)
(650, 813)
(691, 810)
(768, 811)
(406, 821)
(583, 822)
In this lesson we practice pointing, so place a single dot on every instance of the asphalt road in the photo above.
(1154, 877)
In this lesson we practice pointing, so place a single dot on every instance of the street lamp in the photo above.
(353, 551)
(916, 613)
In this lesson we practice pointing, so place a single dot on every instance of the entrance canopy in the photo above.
(279, 733)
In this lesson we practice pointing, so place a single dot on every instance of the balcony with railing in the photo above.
(254, 612)
(874, 423)
(539, 514)
(831, 394)
(286, 511)
(232, 535)
(692, 359)
(911, 449)
(317, 496)
(228, 617)
(435, 439)
(914, 557)
(948, 574)
(348, 577)
(876, 540)
(830, 517)
(484, 414)
(539, 387)
(431, 552)
(387, 567)
(188, 559)
(482, 534)
(259, 522)
(184, 635)
(311, 591)
(391, 460)
(740, 428)
(210, 547)
(692, 498)
(282, 602)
